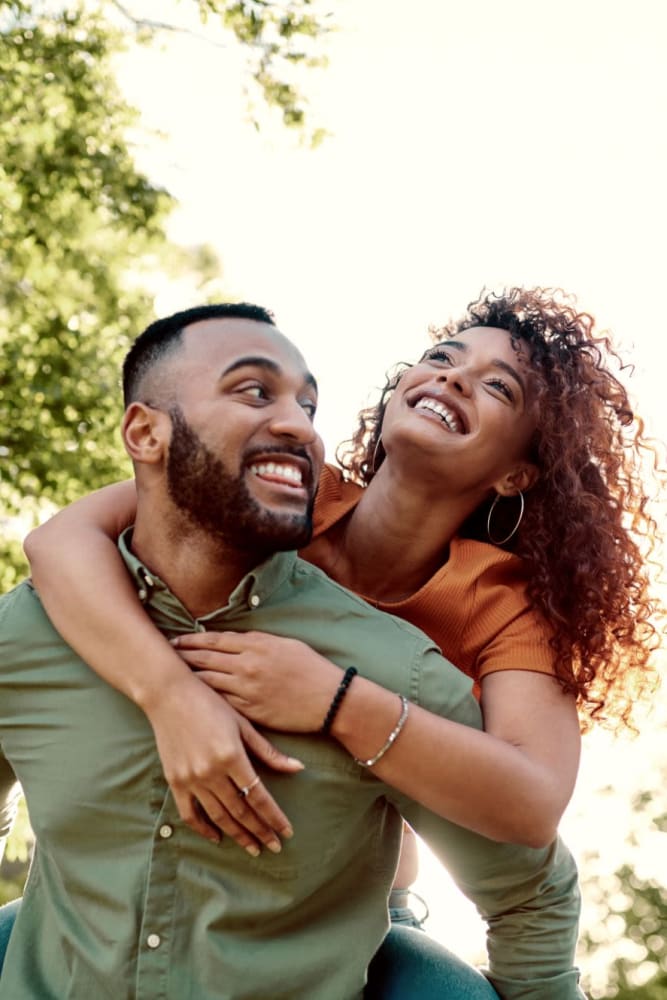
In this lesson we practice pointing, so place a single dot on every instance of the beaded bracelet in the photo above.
(338, 699)
(405, 708)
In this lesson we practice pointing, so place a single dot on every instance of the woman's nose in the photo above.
(456, 378)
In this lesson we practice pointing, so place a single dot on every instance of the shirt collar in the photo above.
(254, 590)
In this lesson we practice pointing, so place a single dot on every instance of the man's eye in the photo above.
(254, 390)
(309, 407)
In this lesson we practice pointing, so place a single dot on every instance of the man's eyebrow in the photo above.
(497, 362)
(258, 361)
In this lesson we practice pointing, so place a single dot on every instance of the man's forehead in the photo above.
(223, 341)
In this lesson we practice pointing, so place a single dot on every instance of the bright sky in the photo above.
(477, 143)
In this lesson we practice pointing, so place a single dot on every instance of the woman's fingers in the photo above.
(252, 819)
(212, 660)
(264, 750)
(207, 763)
(194, 816)
(225, 642)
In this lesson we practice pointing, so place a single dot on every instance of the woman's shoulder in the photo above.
(335, 497)
(491, 575)
(504, 630)
(479, 557)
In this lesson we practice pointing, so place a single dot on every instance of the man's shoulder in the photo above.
(20, 598)
(21, 611)
(336, 598)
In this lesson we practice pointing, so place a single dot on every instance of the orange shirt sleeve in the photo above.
(505, 630)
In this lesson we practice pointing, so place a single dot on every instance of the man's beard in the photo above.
(220, 504)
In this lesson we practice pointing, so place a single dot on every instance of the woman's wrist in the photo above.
(168, 675)
(366, 716)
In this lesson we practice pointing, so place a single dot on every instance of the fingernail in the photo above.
(296, 763)
(215, 840)
(287, 832)
(253, 850)
(275, 846)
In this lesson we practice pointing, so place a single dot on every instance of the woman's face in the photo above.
(464, 412)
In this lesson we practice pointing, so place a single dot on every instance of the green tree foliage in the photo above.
(280, 41)
(631, 913)
(82, 230)
(77, 219)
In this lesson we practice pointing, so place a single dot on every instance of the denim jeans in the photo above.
(410, 965)
(7, 917)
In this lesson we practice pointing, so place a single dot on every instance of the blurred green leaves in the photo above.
(629, 908)
(82, 232)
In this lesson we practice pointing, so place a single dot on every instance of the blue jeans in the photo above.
(412, 966)
(7, 917)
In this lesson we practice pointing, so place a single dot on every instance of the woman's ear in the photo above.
(146, 432)
(517, 480)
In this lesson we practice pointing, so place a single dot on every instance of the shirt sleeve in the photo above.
(10, 791)
(510, 634)
(528, 897)
(9, 799)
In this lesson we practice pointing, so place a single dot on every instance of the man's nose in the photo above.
(290, 420)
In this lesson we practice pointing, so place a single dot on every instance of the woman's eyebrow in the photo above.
(512, 372)
(497, 362)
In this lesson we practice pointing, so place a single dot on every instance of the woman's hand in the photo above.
(277, 682)
(202, 742)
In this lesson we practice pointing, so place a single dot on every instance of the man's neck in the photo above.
(201, 572)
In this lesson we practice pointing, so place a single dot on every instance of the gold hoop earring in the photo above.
(502, 541)
(374, 460)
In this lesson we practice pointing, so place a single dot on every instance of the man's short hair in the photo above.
(164, 335)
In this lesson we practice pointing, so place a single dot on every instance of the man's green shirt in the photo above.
(124, 901)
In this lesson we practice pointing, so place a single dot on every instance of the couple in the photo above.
(122, 897)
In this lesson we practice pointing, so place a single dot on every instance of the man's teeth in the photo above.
(290, 472)
(450, 419)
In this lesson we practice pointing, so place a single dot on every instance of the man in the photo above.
(123, 900)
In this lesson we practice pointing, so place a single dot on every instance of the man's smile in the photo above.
(278, 472)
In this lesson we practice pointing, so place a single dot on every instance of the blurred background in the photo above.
(363, 168)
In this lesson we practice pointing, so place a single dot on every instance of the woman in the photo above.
(511, 429)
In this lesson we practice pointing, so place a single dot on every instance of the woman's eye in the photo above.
(502, 387)
(439, 355)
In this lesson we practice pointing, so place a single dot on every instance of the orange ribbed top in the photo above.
(475, 607)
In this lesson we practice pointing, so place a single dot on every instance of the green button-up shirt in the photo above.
(124, 901)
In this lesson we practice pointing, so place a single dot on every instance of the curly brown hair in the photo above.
(587, 537)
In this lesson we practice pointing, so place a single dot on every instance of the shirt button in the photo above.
(153, 940)
(166, 831)
(255, 601)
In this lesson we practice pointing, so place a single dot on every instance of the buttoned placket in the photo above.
(156, 933)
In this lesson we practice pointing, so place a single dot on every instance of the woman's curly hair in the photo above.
(587, 537)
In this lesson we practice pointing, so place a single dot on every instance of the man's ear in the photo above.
(146, 432)
(517, 480)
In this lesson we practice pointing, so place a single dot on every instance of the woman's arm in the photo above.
(76, 565)
(510, 783)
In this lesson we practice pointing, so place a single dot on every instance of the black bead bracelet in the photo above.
(338, 698)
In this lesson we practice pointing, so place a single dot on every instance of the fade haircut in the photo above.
(165, 335)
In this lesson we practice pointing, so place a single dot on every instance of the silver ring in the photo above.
(243, 792)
